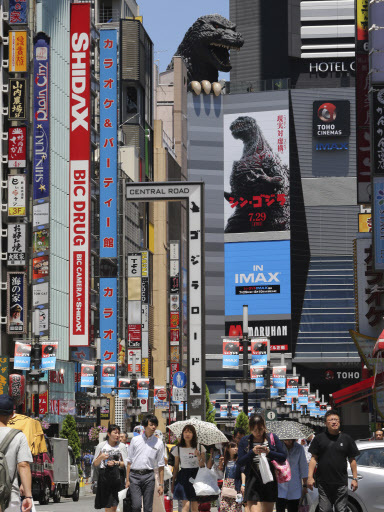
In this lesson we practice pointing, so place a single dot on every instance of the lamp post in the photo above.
(246, 384)
(34, 386)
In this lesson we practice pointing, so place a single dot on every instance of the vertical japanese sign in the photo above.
(145, 291)
(134, 300)
(108, 322)
(16, 245)
(108, 143)
(41, 84)
(17, 110)
(17, 51)
(174, 305)
(4, 369)
(18, 12)
(16, 303)
(378, 220)
(17, 146)
(17, 201)
(79, 172)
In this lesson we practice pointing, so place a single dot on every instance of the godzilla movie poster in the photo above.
(256, 172)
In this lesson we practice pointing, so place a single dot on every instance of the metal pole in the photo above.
(98, 381)
(36, 359)
(245, 357)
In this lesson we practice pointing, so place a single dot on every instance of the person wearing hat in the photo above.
(16, 310)
(18, 456)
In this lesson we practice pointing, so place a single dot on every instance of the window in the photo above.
(374, 457)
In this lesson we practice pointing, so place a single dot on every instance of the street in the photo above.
(86, 502)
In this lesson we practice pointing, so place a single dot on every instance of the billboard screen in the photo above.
(256, 172)
(79, 175)
(258, 274)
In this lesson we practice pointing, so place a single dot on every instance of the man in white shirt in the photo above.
(145, 454)
(18, 457)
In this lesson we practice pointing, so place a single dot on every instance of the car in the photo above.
(369, 496)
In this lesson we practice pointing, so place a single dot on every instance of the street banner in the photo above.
(124, 387)
(108, 143)
(230, 353)
(235, 410)
(17, 60)
(16, 303)
(274, 392)
(17, 147)
(48, 354)
(17, 388)
(142, 388)
(87, 376)
(279, 377)
(108, 376)
(292, 386)
(311, 405)
(134, 360)
(223, 410)
(18, 12)
(17, 199)
(41, 116)
(17, 92)
(79, 175)
(22, 359)
(16, 245)
(258, 373)
(303, 396)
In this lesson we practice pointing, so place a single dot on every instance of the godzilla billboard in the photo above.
(256, 172)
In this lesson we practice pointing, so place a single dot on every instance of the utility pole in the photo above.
(245, 357)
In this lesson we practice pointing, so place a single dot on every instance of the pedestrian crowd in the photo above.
(258, 472)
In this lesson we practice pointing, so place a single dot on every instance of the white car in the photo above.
(369, 496)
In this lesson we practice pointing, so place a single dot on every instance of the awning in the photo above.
(358, 391)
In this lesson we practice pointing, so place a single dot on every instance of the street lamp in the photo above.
(246, 386)
(268, 403)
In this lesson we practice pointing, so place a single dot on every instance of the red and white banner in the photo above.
(17, 146)
(79, 172)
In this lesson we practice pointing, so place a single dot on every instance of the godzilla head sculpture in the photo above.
(205, 47)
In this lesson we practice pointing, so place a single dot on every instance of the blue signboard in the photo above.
(18, 12)
(378, 222)
(108, 324)
(108, 143)
(40, 139)
(124, 387)
(258, 274)
(87, 378)
(179, 380)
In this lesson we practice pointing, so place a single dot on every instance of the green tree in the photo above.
(210, 409)
(242, 422)
(69, 432)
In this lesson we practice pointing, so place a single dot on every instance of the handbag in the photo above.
(304, 503)
(228, 489)
(282, 469)
(167, 472)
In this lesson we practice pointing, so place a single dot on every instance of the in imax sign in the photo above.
(335, 146)
(258, 274)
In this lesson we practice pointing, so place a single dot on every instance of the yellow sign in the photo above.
(19, 212)
(365, 222)
(362, 20)
(145, 367)
(17, 51)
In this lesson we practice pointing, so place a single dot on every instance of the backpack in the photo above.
(5, 479)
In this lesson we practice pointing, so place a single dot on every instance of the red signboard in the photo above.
(17, 146)
(161, 394)
(79, 175)
(134, 332)
(43, 403)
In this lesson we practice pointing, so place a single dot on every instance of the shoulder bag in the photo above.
(282, 469)
(228, 490)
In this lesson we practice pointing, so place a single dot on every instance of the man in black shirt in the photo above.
(330, 451)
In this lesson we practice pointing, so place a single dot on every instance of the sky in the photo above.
(166, 22)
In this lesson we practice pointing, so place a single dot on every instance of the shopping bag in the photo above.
(122, 494)
(265, 470)
(305, 503)
(205, 483)
(167, 472)
(127, 501)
